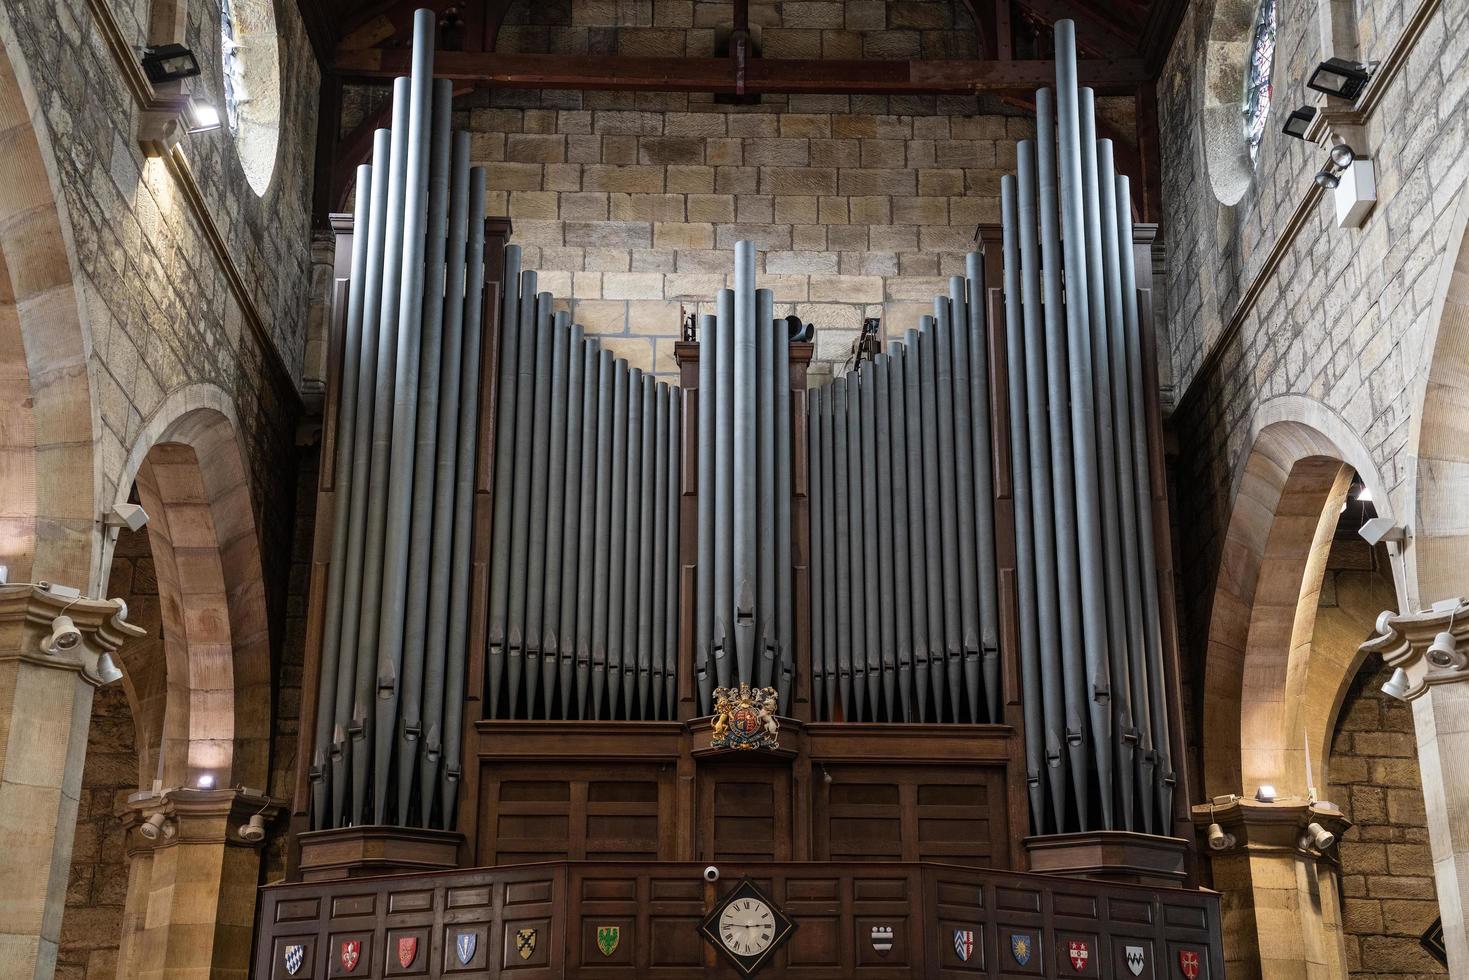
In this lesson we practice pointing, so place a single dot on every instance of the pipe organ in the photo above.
(943, 577)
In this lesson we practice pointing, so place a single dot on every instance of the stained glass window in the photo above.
(1256, 104)
(232, 65)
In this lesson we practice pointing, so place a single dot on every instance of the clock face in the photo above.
(746, 926)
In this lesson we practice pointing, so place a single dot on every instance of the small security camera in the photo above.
(64, 635)
(711, 874)
(128, 515)
(254, 831)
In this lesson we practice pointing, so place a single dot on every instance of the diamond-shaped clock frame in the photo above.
(709, 928)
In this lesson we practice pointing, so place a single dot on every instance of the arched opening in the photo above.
(47, 478)
(1440, 445)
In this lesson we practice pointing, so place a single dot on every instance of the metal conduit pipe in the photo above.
(354, 341)
(504, 476)
(445, 481)
(422, 562)
(902, 605)
(1124, 734)
(1025, 555)
(561, 357)
(1067, 738)
(374, 502)
(1083, 420)
(969, 641)
(1157, 705)
(984, 485)
(594, 382)
(1120, 388)
(575, 484)
(391, 604)
(464, 483)
(1038, 455)
(842, 535)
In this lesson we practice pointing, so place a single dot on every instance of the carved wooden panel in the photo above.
(878, 920)
(912, 813)
(535, 812)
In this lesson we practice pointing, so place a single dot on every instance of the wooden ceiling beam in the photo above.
(1107, 38)
(761, 75)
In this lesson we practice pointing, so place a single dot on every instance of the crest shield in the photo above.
(525, 943)
(1021, 946)
(295, 955)
(407, 950)
(350, 953)
(744, 718)
(1079, 952)
(1188, 962)
(964, 944)
(464, 944)
(607, 939)
(882, 939)
(1135, 959)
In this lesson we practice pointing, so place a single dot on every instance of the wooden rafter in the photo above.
(762, 76)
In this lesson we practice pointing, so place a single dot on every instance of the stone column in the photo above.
(1430, 653)
(191, 883)
(1281, 904)
(45, 710)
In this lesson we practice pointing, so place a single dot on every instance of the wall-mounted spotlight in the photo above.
(1340, 77)
(1299, 121)
(155, 827)
(107, 671)
(254, 831)
(1340, 157)
(1397, 684)
(203, 117)
(128, 515)
(169, 63)
(1320, 836)
(64, 635)
(1265, 794)
(1444, 653)
(205, 781)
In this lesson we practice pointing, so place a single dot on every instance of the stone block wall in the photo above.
(1341, 318)
(1386, 868)
(629, 205)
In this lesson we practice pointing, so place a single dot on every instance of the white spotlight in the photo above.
(1265, 794)
(64, 635)
(1320, 836)
(205, 781)
(254, 831)
(1397, 685)
(107, 671)
(153, 827)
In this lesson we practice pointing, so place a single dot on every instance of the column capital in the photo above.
(196, 816)
(29, 613)
(1426, 648)
(1282, 827)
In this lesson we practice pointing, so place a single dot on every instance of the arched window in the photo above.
(1256, 104)
(249, 61)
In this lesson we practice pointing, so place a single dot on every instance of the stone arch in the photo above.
(1264, 687)
(48, 464)
(1438, 437)
(189, 470)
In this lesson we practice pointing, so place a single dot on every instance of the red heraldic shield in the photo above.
(1080, 953)
(1188, 962)
(407, 951)
(351, 953)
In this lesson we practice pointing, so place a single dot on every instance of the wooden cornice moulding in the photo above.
(151, 104)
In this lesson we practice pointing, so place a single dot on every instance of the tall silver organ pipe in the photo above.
(395, 634)
(744, 615)
(1094, 713)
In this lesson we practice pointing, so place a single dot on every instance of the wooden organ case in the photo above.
(887, 843)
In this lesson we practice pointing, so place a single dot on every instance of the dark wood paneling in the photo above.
(657, 907)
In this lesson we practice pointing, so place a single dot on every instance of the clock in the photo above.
(746, 926)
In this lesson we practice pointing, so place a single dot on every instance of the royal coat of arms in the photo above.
(744, 718)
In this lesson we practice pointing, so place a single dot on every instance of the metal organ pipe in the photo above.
(969, 641)
(724, 489)
(766, 666)
(871, 590)
(984, 483)
(704, 572)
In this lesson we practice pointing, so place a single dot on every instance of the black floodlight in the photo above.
(1299, 121)
(169, 63)
(1340, 77)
